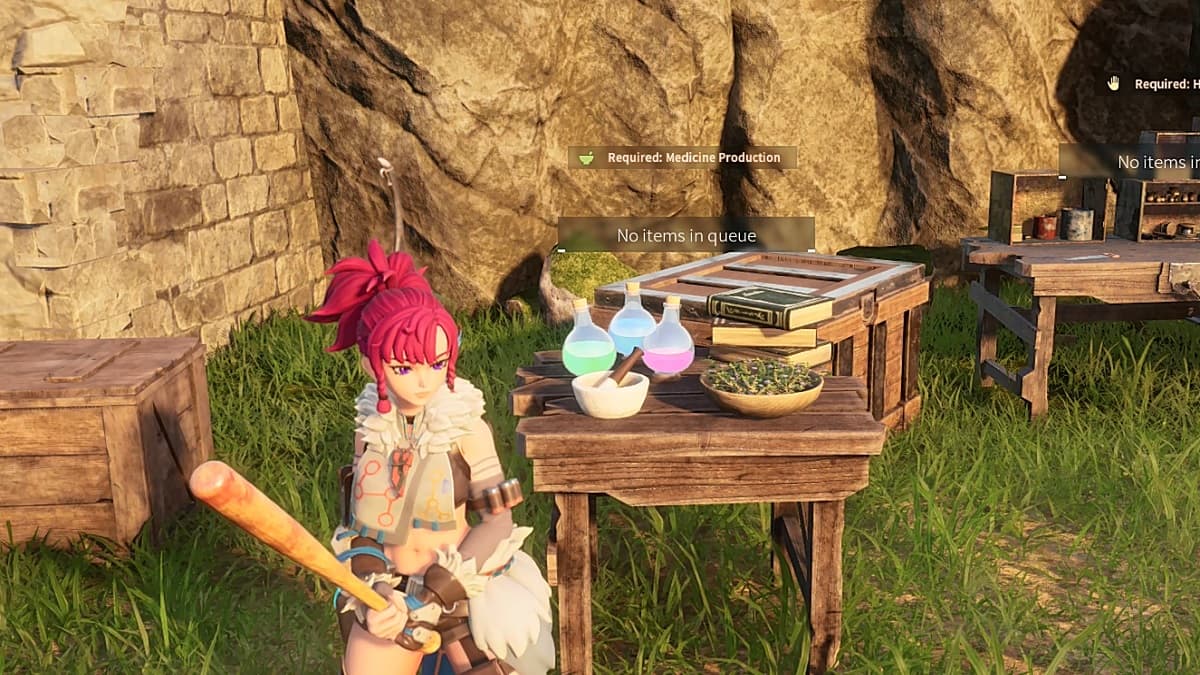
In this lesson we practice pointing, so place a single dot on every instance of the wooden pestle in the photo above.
(623, 369)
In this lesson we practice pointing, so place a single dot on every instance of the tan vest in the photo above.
(401, 481)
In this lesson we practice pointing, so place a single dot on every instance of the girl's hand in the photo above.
(386, 624)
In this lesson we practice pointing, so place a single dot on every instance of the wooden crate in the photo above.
(877, 312)
(1138, 218)
(98, 436)
(1017, 197)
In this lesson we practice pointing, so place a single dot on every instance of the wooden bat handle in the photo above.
(234, 497)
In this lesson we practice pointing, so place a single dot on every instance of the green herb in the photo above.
(762, 377)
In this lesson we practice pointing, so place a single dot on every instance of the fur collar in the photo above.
(447, 416)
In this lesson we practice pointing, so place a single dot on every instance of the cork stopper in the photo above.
(672, 300)
(633, 287)
(579, 304)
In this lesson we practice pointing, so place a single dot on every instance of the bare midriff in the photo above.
(415, 556)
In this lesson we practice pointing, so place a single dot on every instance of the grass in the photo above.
(983, 544)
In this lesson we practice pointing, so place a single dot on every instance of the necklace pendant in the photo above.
(400, 461)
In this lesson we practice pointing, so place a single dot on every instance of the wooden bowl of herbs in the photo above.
(762, 387)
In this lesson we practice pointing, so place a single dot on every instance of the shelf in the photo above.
(1168, 206)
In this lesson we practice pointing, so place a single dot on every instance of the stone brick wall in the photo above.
(152, 170)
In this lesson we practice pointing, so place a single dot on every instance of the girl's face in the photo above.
(411, 385)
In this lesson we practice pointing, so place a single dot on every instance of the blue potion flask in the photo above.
(588, 348)
(669, 349)
(633, 323)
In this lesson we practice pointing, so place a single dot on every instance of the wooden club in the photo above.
(230, 494)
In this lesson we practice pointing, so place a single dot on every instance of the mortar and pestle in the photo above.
(612, 394)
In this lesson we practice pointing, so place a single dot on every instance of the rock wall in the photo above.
(900, 109)
(153, 176)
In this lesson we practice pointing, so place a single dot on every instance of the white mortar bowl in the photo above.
(610, 403)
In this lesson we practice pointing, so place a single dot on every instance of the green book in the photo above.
(774, 308)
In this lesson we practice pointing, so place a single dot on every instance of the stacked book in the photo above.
(768, 323)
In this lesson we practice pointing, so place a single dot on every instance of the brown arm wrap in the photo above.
(440, 583)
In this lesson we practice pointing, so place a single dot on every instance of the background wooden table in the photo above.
(1137, 281)
(681, 449)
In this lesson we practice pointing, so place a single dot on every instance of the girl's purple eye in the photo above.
(440, 365)
(401, 370)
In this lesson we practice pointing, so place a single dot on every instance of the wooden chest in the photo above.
(876, 323)
(98, 436)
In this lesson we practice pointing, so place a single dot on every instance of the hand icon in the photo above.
(1114, 83)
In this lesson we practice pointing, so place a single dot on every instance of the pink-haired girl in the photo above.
(423, 455)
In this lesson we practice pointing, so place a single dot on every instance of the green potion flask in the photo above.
(588, 348)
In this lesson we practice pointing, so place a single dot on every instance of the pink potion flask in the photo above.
(669, 349)
(588, 348)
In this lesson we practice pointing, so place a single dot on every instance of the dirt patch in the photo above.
(1053, 565)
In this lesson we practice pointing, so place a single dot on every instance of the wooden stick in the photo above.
(234, 497)
(626, 365)
(397, 204)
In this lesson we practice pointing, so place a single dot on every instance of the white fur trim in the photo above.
(464, 571)
(512, 619)
(448, 415)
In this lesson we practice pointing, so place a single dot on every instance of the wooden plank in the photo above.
(1132, 284)
(618, 287)
(862, 351)
(893, 418)
(791, 537)
(893, 380)
(985, 327)
(996, 373)
(645, 480)
(725, 282)
(840, 401)
(849, 264)
(801, 434)
(883, 281)
(841, 326)
(127, 469)
(877, 370)
(825, 604)
(537, 394)
(54, 479)
(527, 374)
(60, 524)
(38, 431)
(843, 358)
(203, 411)
(1035, 380)
(5, 346)
(802, 272)
(27, 365)
(165, 453)
(88, 363)
(896, 304)
(574, 585)
(1002, 312)
(912, 410)
(530, 399)
(552, 544)
(912, 351)
(1145, 311)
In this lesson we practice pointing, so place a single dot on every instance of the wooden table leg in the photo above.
(1035, 376)
(594, 534)
(574, 584)
(985, 328)
(790, 524)
(825, 601)
(552, 545)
